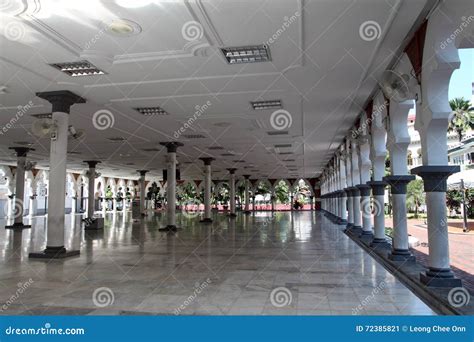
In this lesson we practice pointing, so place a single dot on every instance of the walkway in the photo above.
(296, 263)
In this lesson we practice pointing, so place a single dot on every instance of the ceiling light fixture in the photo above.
(260, 105)
(122, 28)
(80, 68)
(247, 54)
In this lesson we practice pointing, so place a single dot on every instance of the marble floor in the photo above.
(262, 264)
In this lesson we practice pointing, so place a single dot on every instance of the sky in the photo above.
(462, 78)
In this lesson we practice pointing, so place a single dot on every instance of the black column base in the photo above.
(376, 242)
(53, 253)
(232, 215)
(94, 224)
(366, 233)
(169, 228)
(18, 226)
(247, 212)
(206, 220)
(401, 255)
(440, 278)
(342, 221)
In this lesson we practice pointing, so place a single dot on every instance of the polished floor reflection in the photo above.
(285, 264)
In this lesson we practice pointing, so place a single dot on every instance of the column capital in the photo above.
(246, 176)
(364, 189)
(62, 100)
(143, 172)
(207, 160)
(231, 170)
(172, 146)
(378, 187)
(92, 163)
(21, 151)
(399, 183)
(435, 176)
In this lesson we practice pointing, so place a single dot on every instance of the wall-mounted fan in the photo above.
(397, 86)
(75, 133)
(44, 127)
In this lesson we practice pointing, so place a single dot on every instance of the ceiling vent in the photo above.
(289, 160)
(277, 133)
(283, 146)
(215, 148)
(73, 152)
(117, 139)
(150, 111)
(247, 54)
(259, 105)
(23, 143)
(238, 161)
(228, 155)
(285, 153)
(193, 136)
(152, 149)
(80, 68)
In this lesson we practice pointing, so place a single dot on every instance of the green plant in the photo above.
(415, 195)
(463, 116)
(282, 191)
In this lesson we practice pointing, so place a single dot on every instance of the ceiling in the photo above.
(323, 68)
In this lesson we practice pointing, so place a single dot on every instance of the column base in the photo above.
(401, 255)
(440, 278)
(18, 226)
(53, 253)
(342, 221)
(206, 220)
(356, 229)
(232, 215)
(376, 242)
(169, 228)
(247, 212)
(366, 233)
(94, 224)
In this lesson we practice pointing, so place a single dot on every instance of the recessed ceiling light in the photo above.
(228, 155)
(149, 111)
(122, 28)
(73, 152)
(23, 143)
(247, 54)
(80, 68)
(153, 149)
(215, 148)
(260, 105)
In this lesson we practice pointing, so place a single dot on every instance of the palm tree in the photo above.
(463, 116)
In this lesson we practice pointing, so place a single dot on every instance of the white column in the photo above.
(142, 190)
(207, 189)
(171, 184)
(342, 186)
(232, 191)
(61, 101)
(355, 181)
(247, 197)
(18, 210)
(364, 173)
(348, 190)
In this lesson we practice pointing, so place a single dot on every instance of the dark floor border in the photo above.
(409, 274)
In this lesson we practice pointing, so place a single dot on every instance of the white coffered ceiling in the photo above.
(322, 70)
